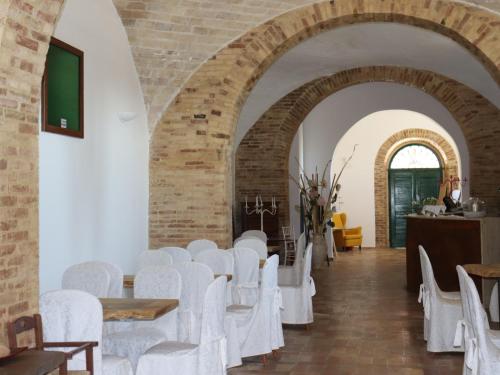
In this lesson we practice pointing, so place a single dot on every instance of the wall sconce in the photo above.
(126, 117)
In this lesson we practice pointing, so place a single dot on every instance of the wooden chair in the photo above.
(27, 323)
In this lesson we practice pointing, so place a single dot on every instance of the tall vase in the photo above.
(319, 254)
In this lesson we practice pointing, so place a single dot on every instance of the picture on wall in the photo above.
(62, 90)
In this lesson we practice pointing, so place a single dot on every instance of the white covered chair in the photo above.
(150, 258)
(178, 254)
(213, 259)
(255, 244)
(482, 353)
(197, 246)
(90, 277)
(442, 310)
(494, 315)
(150, 282)
(73, 315)
(195, 279)
(207, 358)
(256, 234)
(228, 258)
(297, 295)
(246, 276)
(259, 327)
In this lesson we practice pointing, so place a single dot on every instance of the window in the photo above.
(414, 156)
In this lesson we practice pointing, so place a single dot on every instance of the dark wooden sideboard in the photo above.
(450, 242)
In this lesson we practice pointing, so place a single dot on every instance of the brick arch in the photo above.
(192, 144)
(440, 146)
(266, 146)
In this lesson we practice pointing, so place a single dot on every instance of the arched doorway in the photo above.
(415, 174)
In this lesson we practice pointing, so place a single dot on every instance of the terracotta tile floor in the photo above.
(365, 323)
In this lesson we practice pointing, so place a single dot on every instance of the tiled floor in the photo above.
(365, 324)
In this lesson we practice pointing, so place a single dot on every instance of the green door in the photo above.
(406, 186)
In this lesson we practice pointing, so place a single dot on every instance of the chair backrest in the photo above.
(150, 258)
(178, 254)
(427, 272)
(306, 270)
(339, 220)
(195, 279)
(24, 324)
(212, 348)
(197, 246)
(73, 315)
(255, 244)
(270, 273)
(479, 328)
(228, 258)
(213, 259)
(255, 233)
(116, 278)
(88, 277)
(246, 266)
(158, 282)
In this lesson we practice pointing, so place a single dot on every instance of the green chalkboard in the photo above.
(63, 90)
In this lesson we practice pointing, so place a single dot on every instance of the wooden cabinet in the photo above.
(449, 242)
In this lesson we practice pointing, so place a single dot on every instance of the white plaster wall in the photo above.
(325, 126)
(94, 191)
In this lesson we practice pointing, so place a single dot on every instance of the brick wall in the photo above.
(190, 187)
(434, 141)
(25, 27)
(266, 146)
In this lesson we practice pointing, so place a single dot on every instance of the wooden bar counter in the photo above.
(450, 241)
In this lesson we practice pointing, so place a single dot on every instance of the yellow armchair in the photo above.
(345, 237)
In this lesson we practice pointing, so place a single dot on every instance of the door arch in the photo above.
(415, 173)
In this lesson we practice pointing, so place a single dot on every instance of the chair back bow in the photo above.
(425, 300)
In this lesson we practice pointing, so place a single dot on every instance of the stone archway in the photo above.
(389, 148)
(192, 144)
(266, 146)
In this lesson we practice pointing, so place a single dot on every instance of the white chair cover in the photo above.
(89, 277)
(150, 282)
(297, 298)
(256, 234)
(246, 276)
(178, 254)
(482, 356)
(494, 314)
(209, 357)
(442, 310)
(254, 244)
(228, 257)
(196, 246)
(73, 315)
(195, 279)
(150, 258)
(259, 327)
(213, 259)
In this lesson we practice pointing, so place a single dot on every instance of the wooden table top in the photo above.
(128, 280)
(484, 270)
(116, 309)
(32, 362)
(261, 263)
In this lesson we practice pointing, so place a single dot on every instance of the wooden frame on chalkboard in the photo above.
(62, 90)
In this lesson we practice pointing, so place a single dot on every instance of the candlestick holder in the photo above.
(260, 210)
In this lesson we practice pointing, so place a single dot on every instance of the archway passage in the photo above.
(192, 144)
(415, 174)
(266, 146)
(448, 161)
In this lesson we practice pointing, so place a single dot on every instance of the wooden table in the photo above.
(128, 280)
(117, 309)
(486, 271)
(32, 362)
